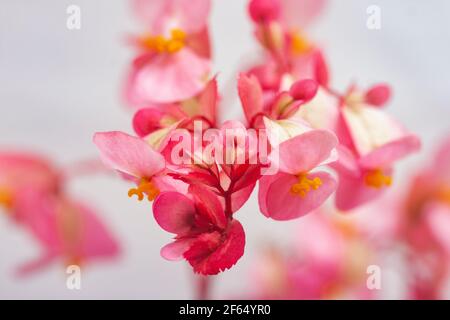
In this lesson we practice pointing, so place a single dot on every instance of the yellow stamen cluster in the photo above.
(377, 179)
(305, 185)
(161, 44)
(145, 187)
(299, 43)
(6, 199)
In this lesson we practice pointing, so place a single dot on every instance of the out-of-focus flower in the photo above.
(327, 261)
(175, 57)
(280, 28)
(209, 240)
(370, 143)
(425, 226)
(32, 192)
(295, 191)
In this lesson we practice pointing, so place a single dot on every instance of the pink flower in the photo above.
(32, 192)
(295, 190)
(209, 240)
(370, 143)
(174, 64)
(280, 28)
(136, 160)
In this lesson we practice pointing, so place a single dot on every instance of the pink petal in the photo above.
(264, 184)
(385, 155)
(298, 14)
(438, 220)
(347, 162)
(168, 78)
(128, 154)
(251, 95)
(97, 240)
(304, 152)
(353, 192)
(37, 212)
(174, 251)
(283, 205)
(208, 101)
(160, 15)
(212, 253)
(174, 212)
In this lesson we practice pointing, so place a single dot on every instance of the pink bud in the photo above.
(304, 90)
(378, 95)
(264, 10)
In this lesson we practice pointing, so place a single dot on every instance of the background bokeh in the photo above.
(57, 87)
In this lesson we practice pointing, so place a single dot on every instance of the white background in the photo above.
(57, 87)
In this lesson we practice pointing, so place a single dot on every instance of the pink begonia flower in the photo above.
(175, 59)
(183, 114)
(296, 190)
(370, 143)
(205, 237)
(136, 160)
(32, 194)
(64, 228)
(328, 260)
(279, 28)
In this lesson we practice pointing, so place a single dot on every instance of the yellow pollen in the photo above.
(377, 179)
(145, 187)
(305, 185)
(6, 199)
(299, 43)
(160, 44)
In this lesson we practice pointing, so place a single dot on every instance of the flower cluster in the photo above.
(199, 172)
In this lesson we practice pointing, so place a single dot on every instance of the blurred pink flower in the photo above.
(328, 260)
(175, 58)
(370, 143)
(280, 26)
(32, 192)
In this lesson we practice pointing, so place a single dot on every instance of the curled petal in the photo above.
(212, 253)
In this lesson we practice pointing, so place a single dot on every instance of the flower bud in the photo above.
(304, 90)
(264, 10)
(378, 95)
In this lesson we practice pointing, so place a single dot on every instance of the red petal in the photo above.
(212, 252)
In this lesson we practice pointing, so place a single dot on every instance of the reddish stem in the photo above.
(203, 287)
